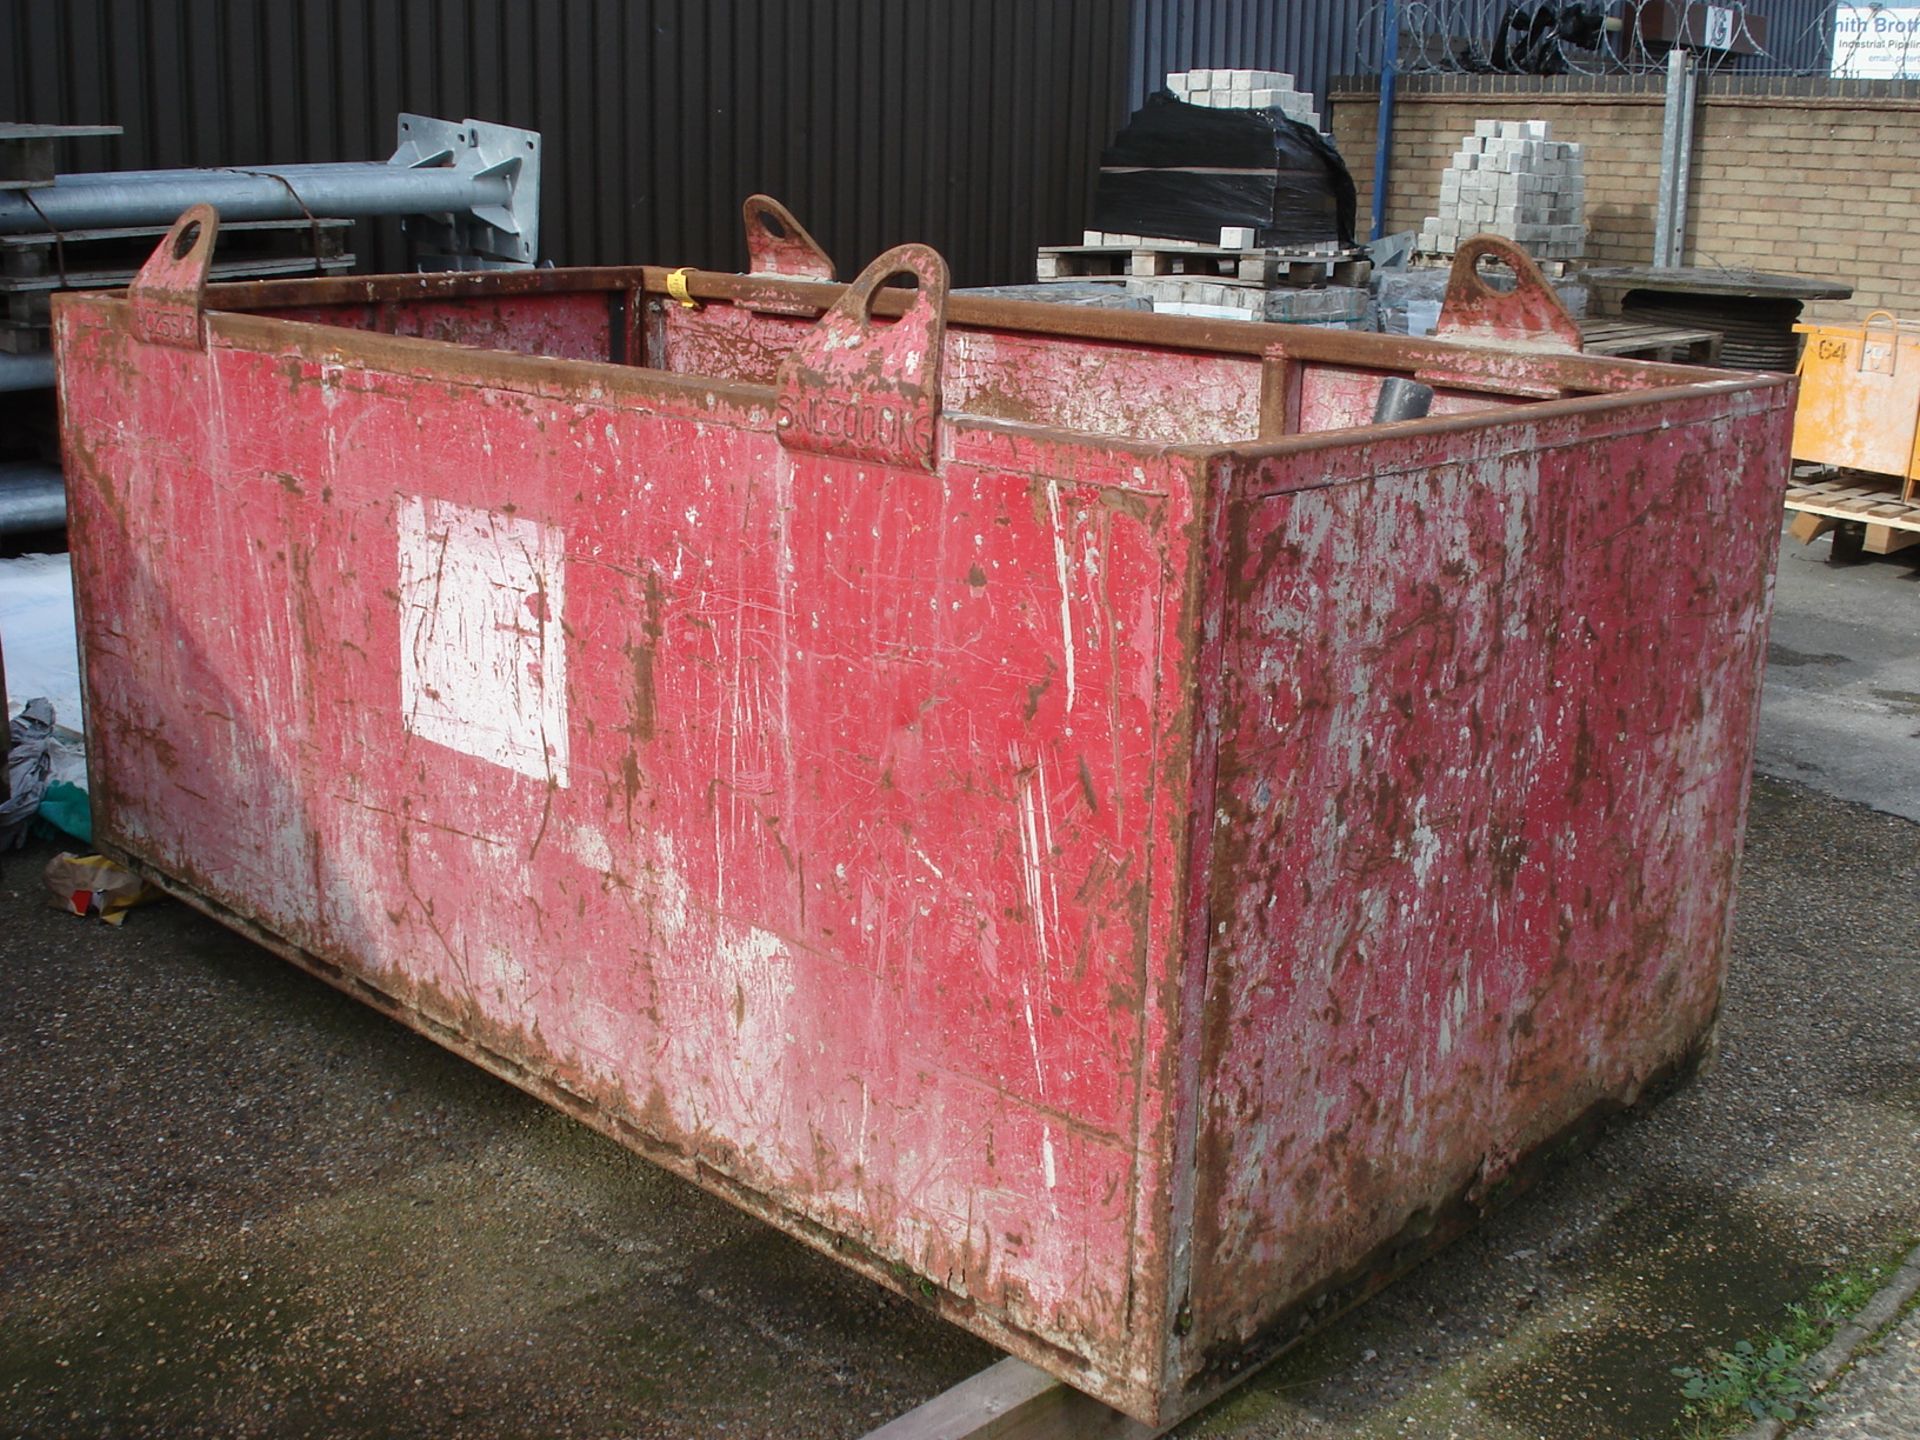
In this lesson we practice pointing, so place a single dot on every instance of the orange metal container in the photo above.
(1860, 398)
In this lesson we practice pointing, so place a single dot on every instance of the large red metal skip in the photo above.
(983, 787)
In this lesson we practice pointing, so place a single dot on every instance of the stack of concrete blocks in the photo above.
(1344, 306)
(1110, 239)
(1244, 237)
(1232, 237)
(1512, 178)
(1244, 90)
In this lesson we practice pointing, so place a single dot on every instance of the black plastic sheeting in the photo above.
(1186, 171)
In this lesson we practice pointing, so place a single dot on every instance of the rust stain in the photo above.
(644, 699)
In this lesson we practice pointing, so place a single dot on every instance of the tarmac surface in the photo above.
(234, 1202)
(1843, 677)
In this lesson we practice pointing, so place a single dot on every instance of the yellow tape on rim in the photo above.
(677, 287)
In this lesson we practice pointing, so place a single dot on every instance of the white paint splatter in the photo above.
(1033, 1041)
(671, 897)
(483, 661)
(1030, 870)
(1060, 568)
(1426, 844)
(591, 848)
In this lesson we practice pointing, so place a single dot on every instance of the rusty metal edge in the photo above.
(491, 367)
(1430, 1232)
(1155, 1172)
(1601, 379)
(447, 362)
(1184, 1082)
(1593, 374)
(1131, 1399)
(1779, 391)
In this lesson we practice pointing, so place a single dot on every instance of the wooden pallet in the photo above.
(1209, 262)
(1636, 340)
(1823, 499)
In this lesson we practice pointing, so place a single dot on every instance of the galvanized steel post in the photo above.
(472, 187)
(1676, 159)
(1383, 133)
(281, 192)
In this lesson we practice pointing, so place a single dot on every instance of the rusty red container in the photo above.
(1052, 807)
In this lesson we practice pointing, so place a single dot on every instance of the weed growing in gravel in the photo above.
(1760, 1380)
(1744, 1382)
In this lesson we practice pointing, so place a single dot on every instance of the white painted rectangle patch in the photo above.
(483, 664)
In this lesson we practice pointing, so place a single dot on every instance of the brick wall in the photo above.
(1816, 177)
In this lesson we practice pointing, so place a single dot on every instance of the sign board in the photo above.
(1726, 28)
(1876, 42)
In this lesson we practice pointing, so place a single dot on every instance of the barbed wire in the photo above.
(1626, 37)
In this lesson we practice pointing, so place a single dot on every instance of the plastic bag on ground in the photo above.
(47, 777)
(29, 770)
(94, 885)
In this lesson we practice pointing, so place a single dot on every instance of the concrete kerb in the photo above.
(1873, 1317)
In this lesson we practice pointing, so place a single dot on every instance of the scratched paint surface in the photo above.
(1485, 744)
(1156, 396)
(796, 810)
(562, 326)
(1336, 398)
(829, 823)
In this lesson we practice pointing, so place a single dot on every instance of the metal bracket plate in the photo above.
(488, 237)
(168, 294)
(860, 390)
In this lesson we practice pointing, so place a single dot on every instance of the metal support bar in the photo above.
(1383, 133)
(485, 234)
(1676, 159)
(32, 497)
(472, 186)
(33, 371)
(1013, 1401)
(156, 197)
(1683, 176)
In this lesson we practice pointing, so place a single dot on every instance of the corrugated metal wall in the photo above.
(1311, 42)
(1316, 42)
(1799, 38)
(974, 126)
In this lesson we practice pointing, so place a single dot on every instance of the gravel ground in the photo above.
(234, 1202)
